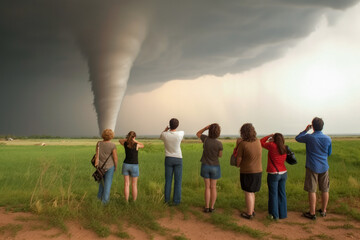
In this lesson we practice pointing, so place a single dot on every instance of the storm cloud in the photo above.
(146, 43)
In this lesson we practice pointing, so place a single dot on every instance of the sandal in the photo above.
(207, 210)
(310, 216)
(247, 216)
(212, 210)
(322, 213)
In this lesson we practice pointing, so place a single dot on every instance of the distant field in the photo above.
(55, 181)
(92, 142)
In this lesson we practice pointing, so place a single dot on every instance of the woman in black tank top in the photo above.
(130, 168)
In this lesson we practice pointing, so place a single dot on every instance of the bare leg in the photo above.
(134, 187)
(126, 187)
(250, 202)
(324, 200)
(207, 192)
(213, 192)
(312, 202)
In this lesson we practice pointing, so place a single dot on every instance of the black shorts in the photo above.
(250, 182)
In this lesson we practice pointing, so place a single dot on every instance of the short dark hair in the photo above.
(317, 124)
(214, 130)
(174, 123)
(248, 133)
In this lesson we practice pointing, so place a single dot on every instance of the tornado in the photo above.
(110, 47)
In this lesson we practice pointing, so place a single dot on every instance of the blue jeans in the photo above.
(105, 186)
(277, 195)
(173, 167)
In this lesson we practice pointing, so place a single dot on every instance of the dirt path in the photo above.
(15, 225)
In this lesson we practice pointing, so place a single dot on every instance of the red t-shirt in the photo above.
(277, 159)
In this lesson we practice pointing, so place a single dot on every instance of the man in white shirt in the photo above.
(173, 160)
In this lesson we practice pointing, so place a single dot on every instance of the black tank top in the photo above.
(131, 154)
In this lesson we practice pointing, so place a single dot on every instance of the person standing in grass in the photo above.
(130, 168)
(210, 166)
(277, 174)
(318, 148)
(173, 160)
(106, 151)
(249, 160)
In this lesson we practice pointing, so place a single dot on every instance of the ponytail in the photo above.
(130, 139)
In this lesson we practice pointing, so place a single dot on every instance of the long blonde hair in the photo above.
(130, 139)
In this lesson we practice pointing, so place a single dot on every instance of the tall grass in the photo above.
(55, 182)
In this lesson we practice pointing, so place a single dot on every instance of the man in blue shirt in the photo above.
(318, 148)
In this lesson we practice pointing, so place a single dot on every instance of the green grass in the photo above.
(10, 229)
(226, 222)
(344, 226)
(320, 237)
(182, 237)
(55, 182)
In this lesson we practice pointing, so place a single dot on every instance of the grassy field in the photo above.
(55, 182)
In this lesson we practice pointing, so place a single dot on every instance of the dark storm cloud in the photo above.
(147, 42)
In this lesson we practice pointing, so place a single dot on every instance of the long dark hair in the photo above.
(130, 139)
(280, 143)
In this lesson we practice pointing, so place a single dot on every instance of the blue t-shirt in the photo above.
(318, 148)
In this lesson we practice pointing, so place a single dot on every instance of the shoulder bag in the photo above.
(233, 157)
(290, 156)
(99, 173)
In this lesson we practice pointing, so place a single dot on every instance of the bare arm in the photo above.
(220, 153)
(139, 145)
(97, 155)
(198, 134)
(114, 154)
(122, 141)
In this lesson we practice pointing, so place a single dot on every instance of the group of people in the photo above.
(248, 159)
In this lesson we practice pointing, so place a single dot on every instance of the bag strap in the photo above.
(106, 160)
(273, 163)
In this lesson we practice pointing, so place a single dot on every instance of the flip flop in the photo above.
(246, 216)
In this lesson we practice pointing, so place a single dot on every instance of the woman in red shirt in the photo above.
(277, 174)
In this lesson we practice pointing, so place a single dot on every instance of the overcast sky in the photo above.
(274, 63)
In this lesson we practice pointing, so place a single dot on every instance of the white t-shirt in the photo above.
(172, 142)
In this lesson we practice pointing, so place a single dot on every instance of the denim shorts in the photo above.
(130, 169)
(210, 171)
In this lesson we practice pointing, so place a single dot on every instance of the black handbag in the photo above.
(290, 156)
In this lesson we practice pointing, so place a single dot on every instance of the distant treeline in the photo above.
(43, 137)
(9, 136)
